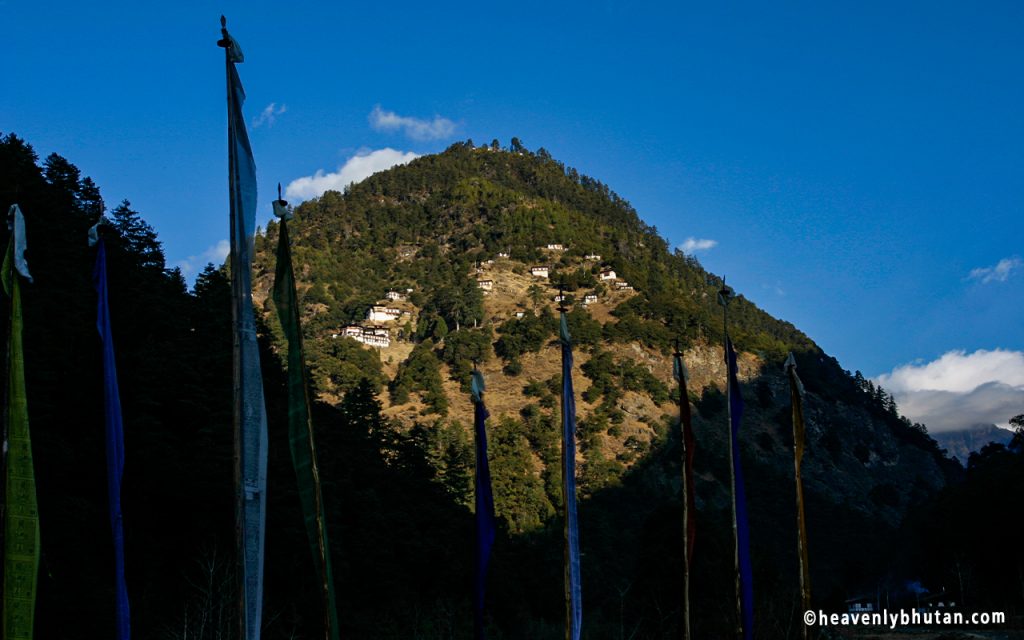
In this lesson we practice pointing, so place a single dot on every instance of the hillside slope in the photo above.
(456, 237)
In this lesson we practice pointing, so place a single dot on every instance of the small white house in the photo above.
(352, 331)
(622, 285)
(589, 298)
(555, 247)
(503, 254)
(539, 272)
(520, 314)
(608, 274)
(559, 298)
(486, 285)
(394, 295)
(592, 256)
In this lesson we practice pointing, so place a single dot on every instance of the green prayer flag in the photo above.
(21, 520)
(300, 426)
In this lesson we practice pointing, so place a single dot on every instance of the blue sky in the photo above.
(854, 164)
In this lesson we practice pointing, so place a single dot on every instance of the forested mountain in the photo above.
(392, 421)
(446, 225)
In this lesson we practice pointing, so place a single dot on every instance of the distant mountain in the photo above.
(960, 444)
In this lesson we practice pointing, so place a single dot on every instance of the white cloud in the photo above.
(999, 273)
(357, 168)
(960, 389)
(269, 115)
(690, 245)
(416, 128)
(216, 254)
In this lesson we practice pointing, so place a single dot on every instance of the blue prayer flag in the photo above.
(115, 440)
(573, 594)
(485, 521)
(743, 566)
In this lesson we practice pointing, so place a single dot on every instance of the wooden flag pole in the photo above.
(723, 297)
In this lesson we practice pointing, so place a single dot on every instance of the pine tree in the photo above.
(137, 237)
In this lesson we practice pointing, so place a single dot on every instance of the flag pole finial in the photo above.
(281, 206)
(561, 301)
(225, 39)
(725, 294)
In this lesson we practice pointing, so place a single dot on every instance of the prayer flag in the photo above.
(485, 521)
(114, 439)
(250, 414)
(21, 521)
(301, 441)
(796, 394)
(744, 572)
(573, 595)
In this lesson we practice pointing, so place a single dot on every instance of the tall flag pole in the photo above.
(21, 522)
(796, 394)
(300, 425)
(250, 414)
(741, 529)
(484, 502)
(114, 432)
(573, 595)
(689, 506)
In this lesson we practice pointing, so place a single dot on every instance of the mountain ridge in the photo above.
(441, 223)
(960, 444)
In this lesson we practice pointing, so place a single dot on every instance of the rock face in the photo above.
(442, 223)
(961, 444)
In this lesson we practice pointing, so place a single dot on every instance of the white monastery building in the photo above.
(379, 313)
(373, 336)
